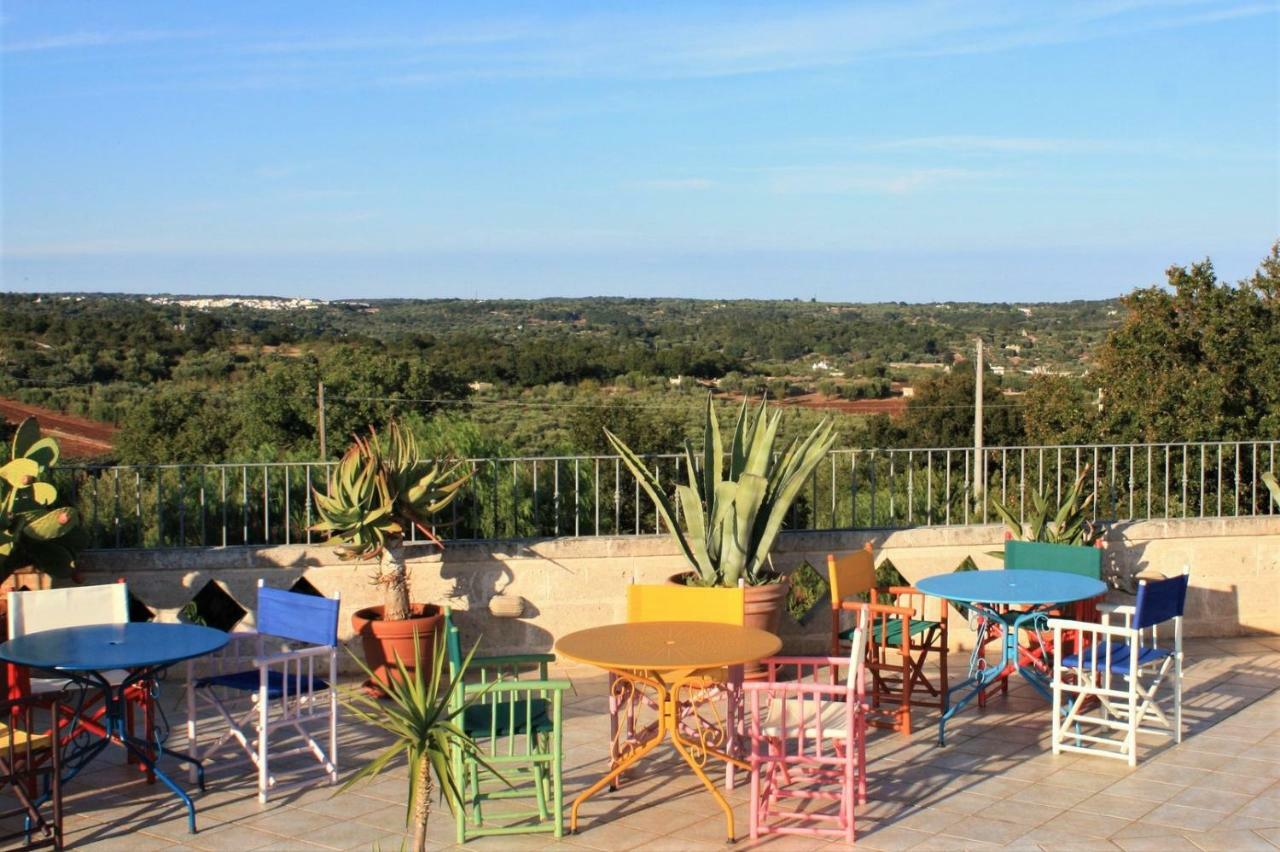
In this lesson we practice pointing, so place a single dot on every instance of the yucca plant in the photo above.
(1066, 522)
(37, 529)
(421, 710)
(734, 504)
(381, 488)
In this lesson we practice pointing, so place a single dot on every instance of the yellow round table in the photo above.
(666, 657)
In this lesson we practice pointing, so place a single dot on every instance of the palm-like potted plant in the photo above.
(421, 714)
(38, 530)
(381, 488)
(735, 504)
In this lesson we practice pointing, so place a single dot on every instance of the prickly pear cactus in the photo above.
(37, 528)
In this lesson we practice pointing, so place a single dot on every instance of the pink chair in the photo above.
(808, 743)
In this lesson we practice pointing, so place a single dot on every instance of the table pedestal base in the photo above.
(982, 675)
(694, 752)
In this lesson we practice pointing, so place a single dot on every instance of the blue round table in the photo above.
(83, 654)
(1010, 601)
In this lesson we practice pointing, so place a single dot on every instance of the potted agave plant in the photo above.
(39, 532)
(381, 489)
(734, 505)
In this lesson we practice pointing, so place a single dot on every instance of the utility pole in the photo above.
(979, 469)
(324, 455)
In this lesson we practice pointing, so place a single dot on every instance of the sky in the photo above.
(915, 150)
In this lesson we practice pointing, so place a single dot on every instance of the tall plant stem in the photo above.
(395, 577)
(422, 804)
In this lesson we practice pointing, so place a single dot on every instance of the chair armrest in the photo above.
(1090, 627)
(498, 687)
(511, 660)
(808, 687)
(877, 609)
(813, 661)
(301, 653)
(1106, 610)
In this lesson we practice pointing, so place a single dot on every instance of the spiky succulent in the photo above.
(36, 528)
(382, 487)
(1065, 523)
(734, 508)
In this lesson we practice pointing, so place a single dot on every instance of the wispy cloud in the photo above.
(89, 39)
(674, 42)
(864, 179)
(969, 144)
(686, 184)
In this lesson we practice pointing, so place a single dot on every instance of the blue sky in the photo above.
(858, 151)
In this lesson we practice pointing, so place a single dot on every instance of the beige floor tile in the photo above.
(1210, 798)
(1177, 816)
(1157, 843)
(1231, 841)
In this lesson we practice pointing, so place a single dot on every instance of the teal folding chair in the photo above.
(517, 725)
(1085, 561)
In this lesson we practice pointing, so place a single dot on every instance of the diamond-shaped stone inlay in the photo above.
(303, 586)
(139, 611)
(807, 588)
(212, 606)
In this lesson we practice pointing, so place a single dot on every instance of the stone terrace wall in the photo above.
(573, 583)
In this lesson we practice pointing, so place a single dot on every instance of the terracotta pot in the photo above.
(383, 641)
(763, 611)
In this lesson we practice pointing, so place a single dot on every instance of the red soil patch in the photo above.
(79, 438)
(894, 406)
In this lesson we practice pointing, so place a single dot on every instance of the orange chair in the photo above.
(902, 635)
(699, 713)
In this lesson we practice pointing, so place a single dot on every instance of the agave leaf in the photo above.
(1007, 517)
(1269, 479)
(738, 549)
(661, 504)
(695, 522)
(738, 449)
(713, 454)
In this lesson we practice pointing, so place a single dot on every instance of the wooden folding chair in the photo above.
(902, 637)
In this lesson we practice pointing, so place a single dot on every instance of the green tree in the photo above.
(1196, 360)
(941, 412)
(1057, 410)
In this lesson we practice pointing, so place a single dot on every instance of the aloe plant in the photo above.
(37, 529)
(382, 487)
(734, 504)
(421, 712)
(1064, 523)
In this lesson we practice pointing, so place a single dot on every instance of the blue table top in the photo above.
(103, 647)
(1012, 587)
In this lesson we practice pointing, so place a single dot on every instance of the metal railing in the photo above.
(200, 505)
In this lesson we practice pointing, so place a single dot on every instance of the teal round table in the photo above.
(1010, 601)
(83, 654)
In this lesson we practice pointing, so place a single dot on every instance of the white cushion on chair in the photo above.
(46, 685)
(831, 714)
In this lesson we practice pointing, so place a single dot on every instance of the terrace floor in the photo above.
(995, 784)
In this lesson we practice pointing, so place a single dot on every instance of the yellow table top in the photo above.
(668, 645)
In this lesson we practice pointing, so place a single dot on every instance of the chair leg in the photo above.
(263, 775)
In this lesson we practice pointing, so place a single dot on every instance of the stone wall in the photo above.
(573, 583)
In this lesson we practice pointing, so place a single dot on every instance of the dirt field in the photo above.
(78, 438)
